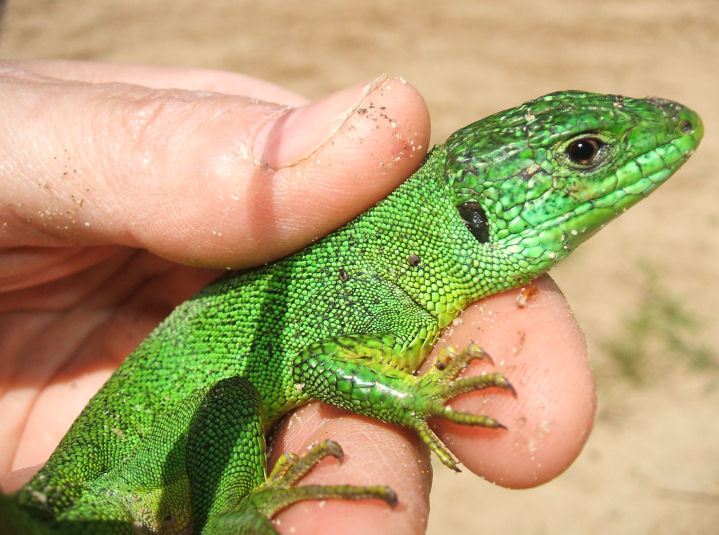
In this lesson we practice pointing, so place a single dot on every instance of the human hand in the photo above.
(107, 184)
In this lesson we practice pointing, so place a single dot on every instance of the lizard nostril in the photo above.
(686, 126)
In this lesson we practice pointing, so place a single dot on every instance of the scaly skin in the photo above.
(174, 441)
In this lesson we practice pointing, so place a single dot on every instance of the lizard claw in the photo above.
(290, 468)
(439, 385)
(279, 490)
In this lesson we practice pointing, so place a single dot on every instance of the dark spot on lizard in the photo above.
(413, 260)
(475, 219)
(343, 275)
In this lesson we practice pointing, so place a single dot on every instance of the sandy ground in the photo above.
(651, 466)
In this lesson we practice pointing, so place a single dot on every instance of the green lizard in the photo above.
(174, 442)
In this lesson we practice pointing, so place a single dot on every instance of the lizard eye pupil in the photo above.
(584, 151)
(475, 219)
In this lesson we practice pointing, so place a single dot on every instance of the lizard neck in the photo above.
(423, 246)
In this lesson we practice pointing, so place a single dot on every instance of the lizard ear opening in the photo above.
(475, 219)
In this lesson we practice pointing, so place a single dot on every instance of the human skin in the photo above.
(120, 199)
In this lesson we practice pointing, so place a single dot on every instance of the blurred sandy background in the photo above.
(645, 287)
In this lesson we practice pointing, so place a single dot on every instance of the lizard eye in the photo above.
(585, 151)
(475, 219)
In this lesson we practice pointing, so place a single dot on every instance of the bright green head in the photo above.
(535, 181)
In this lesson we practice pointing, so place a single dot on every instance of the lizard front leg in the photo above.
(350, 372)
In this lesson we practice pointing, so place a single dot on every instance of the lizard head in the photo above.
(535, 181)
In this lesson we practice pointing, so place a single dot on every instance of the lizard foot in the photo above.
(290, 468)
(359, 373)
(279, 491)
(439, 385)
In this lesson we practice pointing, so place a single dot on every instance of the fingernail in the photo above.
(296, 134)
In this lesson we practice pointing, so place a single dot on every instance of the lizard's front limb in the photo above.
(350, 372)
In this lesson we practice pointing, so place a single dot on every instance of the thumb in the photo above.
(200, 178)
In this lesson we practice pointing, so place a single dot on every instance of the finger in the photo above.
(375, 454)
(204, 179)
(165, 76)
(12, 481)
(540, 349)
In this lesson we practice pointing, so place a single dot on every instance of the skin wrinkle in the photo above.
(221, 169)
(261, 190)
(92, 342)
(140, 117)
(262, 187)
(50, 266)
(18, 264)
(80, 279)
(263, 130)
(143, 119)
(47, 374)
(54, 374)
